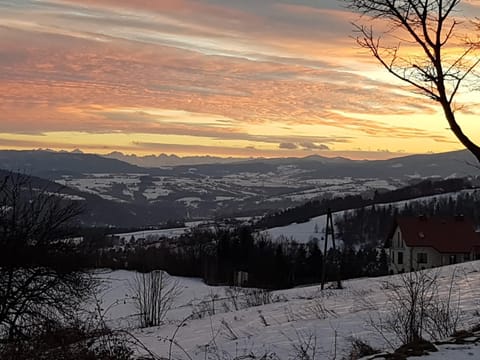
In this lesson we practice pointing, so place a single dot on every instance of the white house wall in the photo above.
(398, 245)
(410, 255)
(434, 258)
(459, 257)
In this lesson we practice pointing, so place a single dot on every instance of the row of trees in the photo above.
(371, 224)
(314, 208)
(217, 254)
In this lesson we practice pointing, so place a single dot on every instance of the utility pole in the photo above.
(329, 232)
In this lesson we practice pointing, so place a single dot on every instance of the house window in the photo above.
(400, 258)
(422, 258)
(466, 257)
(399, 242)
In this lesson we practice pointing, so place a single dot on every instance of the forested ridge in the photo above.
(319, 207)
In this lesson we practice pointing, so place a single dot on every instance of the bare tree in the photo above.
(417, 310)
(39, 282)
(154, 294)
(419, 45)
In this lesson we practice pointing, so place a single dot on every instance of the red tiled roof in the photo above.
(444, 234)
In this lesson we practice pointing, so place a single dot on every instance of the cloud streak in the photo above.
(221, 73)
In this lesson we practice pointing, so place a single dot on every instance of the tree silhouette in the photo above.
(419, 46)
(40, 279)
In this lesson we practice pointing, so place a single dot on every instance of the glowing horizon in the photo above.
(225, 78)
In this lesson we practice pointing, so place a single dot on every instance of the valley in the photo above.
(208, 191)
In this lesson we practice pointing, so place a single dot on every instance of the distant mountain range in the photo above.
(169, 160)
(121, 193)
(50, 164)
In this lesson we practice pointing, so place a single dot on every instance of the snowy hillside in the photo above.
(204, 320)
(302, 233)
(315, 227)
(124, 195)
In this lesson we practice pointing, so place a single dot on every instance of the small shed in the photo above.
(240, 278)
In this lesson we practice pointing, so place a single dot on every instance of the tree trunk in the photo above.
(457, 130)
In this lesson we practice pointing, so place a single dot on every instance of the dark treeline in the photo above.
(217, 254)
(370, 225)
(314, 208)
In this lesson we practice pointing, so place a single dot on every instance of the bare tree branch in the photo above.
(38, 279)
(432, 28)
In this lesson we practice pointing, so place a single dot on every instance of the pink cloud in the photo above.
(266, 64)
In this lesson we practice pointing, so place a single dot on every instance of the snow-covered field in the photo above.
(455, 352)
(145, 234)
(171, 233)
(328, 319)
(286, 183)
(302, 233)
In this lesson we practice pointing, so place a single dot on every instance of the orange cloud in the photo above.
(99, 67)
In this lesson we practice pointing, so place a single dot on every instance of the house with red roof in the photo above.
(416, 243)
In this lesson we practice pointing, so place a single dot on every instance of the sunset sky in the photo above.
(234, 78)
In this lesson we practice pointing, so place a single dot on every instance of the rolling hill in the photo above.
(246, 188)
